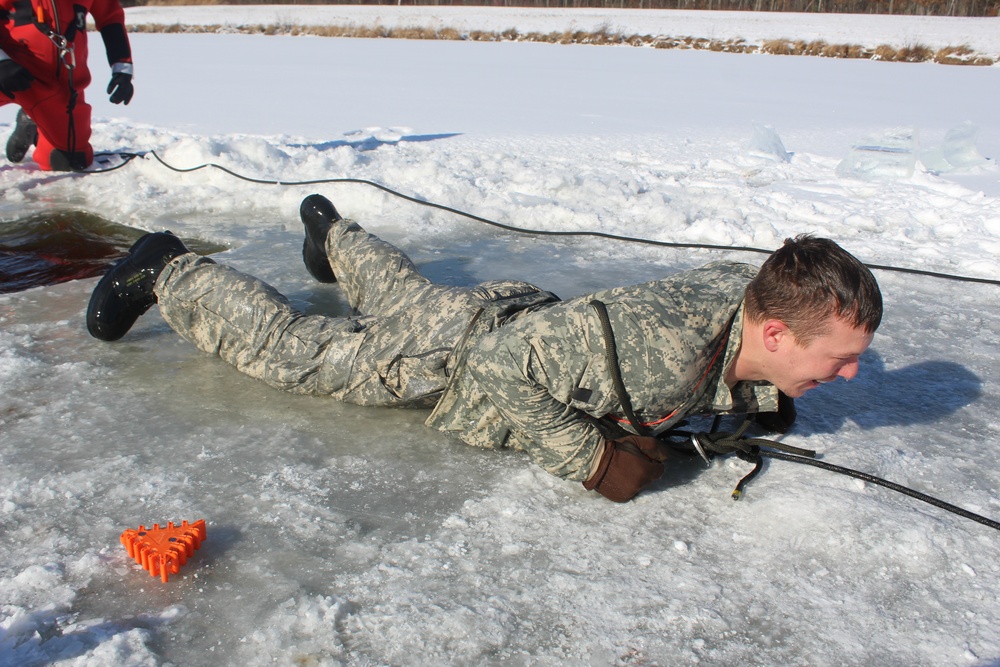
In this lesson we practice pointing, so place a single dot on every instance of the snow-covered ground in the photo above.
(343, 535)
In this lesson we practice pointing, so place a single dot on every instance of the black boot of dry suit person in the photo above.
(318, 215)
(126, 290)
(61, 160)
(25, 136)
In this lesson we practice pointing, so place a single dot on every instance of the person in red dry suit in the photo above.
(43, 69)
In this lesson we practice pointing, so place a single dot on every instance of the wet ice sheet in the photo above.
(340, 534)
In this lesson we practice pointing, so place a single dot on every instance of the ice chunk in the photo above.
(956, 152)
(766, 140)
(887, 156)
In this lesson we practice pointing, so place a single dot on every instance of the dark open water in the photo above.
(58, 246)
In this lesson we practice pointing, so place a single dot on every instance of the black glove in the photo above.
(13, 78)
(120, 89)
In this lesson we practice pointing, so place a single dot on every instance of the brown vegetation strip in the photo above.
(952, 55)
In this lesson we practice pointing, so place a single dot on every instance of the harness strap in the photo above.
(611, 350)
(706, 445)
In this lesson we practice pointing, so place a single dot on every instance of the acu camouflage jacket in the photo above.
(538, 379)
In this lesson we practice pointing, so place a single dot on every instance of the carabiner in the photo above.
(65, 50)
(698, 448)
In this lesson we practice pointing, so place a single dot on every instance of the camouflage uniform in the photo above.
(503, 363)
(542, 383)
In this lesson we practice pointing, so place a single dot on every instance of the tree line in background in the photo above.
(910, 7)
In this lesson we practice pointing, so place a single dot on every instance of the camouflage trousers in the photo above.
(396, 352)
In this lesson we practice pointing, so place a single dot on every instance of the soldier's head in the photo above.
(816, 308)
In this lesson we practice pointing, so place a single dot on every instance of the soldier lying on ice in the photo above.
(507, 364)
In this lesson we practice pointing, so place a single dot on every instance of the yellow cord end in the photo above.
(737, 494)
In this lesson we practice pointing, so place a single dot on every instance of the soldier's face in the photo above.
(797, 368)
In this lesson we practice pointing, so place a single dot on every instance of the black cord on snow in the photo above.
(755, 450)
(883, 482)
(128, 157)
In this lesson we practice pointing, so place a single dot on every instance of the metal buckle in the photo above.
(701, 452)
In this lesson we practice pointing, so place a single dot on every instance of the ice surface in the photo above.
(342, 535)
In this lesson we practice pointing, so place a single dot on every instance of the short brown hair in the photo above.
(809, 279)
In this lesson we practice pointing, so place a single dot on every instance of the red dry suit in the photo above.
(29, 33)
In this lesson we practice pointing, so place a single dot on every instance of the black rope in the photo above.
(70, 109)
(748, 449)
(64, 45)
(755, 450)
(883, 482)
(126, 158)
(510, 228)
(758, 465)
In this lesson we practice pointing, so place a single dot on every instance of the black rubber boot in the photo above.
(318, 215)
(24, 137)
(126, 290)
(64, 161)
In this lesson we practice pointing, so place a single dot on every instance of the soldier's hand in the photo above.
(13, 77)
(651, 448)
(627, 466)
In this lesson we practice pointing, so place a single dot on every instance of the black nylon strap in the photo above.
(611, 352)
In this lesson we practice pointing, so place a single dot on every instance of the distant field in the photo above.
(878, 37)
(899, 7)
(949, 55)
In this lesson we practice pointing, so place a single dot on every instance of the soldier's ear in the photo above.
(775, 334)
